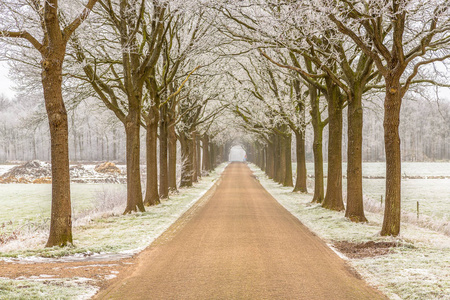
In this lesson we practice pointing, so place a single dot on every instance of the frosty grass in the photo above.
(418, 269)
(113, 234)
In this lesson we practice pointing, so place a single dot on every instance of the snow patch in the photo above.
(341, 255)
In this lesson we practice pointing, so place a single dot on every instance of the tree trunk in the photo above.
(270, 160)
(263, 158)
(267, 158)
(257, 148)
(134, 189)
(61, 215)
(80, 146)
(333, 198)
(151, 194)
(186, 160)
(172, 138)
(199, 157)
(34, 146)
(224, 152)
(276, 159)
(392, 211)
(355, 204)
(205, 160)
(288, 161)
(114, 144)
(107, 148)
(317, 146)
(300, 182)
(212, 156)
(281, 157)
(194, 157)
(163, 171)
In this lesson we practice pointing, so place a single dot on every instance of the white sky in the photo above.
(5, 84)
(237, 153)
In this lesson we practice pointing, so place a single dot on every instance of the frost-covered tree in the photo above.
(267, 25)
(401, 37)
(38, 23)
(201, 103)
(269, 92)
(188, 37)
(117, 63)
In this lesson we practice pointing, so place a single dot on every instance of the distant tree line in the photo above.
(95, 136)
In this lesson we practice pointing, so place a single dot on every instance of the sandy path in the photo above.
(240, 244)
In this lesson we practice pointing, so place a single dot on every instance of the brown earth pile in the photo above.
(362, 250)
(42, 180)
(107, 167)
(28, 173)
(39, 172)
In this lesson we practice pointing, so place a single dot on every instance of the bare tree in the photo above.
(140, 27)
(52, 48)
(396, 35)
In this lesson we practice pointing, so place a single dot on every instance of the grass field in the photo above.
(433, 195)
(22, 203)
(408, 168)
(106, 233)
(33, 201)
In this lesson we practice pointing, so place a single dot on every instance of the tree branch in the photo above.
(67, 32)
(25, 35)
(416, 70)
(298, 70)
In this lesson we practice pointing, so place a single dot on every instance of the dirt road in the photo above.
(239, 244)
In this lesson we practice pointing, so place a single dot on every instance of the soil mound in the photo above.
(42, 180)
(27, 173)
(368, 249)
(79, 171)
(107, 167)
(39, 172)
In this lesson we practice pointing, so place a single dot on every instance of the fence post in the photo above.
(417, 210)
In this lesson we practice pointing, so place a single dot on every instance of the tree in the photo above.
(299, 130)
(52, 48)
(395, 35)
(185, 31)
(264, 113)
(262, 29)
(140, 27)
(197, 107)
